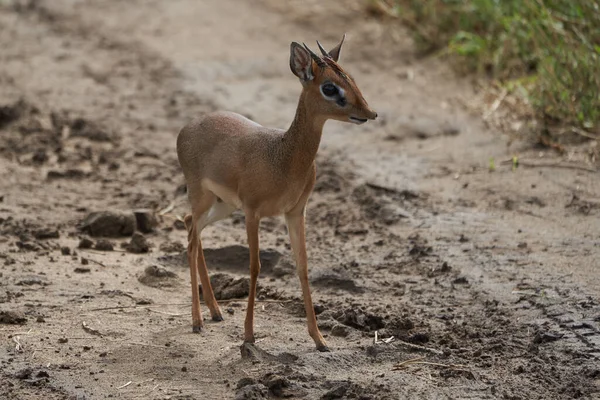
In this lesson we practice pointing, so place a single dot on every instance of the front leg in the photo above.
(252, 223)
(295, 223)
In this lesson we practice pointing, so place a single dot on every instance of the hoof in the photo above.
(197, 329)
(217, 318)
(323, 348)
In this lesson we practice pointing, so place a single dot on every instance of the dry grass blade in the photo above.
(90, 330)
(125, 385)
(18, 345)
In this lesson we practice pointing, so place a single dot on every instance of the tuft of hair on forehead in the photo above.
(326, 61)
(336, 68)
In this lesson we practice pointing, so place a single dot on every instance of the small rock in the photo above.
(522, 245)
(257, 391)
(145, 220)
(82, 270)
(12, 318)
(226, 287)
(245, 381)
(418, 338)
(138, 244)
(546, 337)
(461, 280)
(31, 281)
(319, 309)
(339, 392)
(339, 330)
(179, 225)
(72, 173)
(46, 233)
(25, 373)
(40, 319)
(276, 384)
(86, 243)
(184, 369)
(109, 223)
(104, 245)
(155, 276)
(171, 247)
(65, 251)
(63, 340)
(84, 261)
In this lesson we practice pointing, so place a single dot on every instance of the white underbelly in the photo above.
(225, 194)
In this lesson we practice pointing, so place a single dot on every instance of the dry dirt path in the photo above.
(492, 277)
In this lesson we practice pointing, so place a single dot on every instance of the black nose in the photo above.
(375, 115)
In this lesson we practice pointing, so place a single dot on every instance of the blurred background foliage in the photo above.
(547, 50)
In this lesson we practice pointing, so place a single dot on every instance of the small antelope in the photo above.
(230, 163)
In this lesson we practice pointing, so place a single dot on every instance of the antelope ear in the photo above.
(301, 62)
(335, 52)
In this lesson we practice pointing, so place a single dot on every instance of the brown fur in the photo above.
(230, 162)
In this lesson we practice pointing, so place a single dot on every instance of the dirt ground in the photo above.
(433, 277)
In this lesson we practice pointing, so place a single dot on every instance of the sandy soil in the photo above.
(487, 281)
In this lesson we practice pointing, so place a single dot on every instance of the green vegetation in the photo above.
(548, 49)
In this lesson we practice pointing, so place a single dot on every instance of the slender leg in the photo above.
(217, 211)
(207, 290)
(295, 223)
(192, 254)
(252, 223)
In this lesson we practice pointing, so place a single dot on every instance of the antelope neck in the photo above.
(303, 137)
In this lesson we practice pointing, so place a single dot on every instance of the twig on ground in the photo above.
(167, 313)
(167, 209)
(90, 330)
(125, 385)
(554, 165)
(18, 345)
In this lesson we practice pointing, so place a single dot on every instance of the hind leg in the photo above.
(216, 212)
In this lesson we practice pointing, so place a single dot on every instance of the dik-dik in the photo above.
(230, 163)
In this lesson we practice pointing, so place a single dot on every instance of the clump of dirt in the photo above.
(108, 224)
(146, 220)
(158, 277)
(359, 319)
(171, 247)
(104, 245)
(12, 318)
(138, 244)
(226, 287)
(81, 127)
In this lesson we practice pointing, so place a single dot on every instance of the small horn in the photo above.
(323, 51)
(315, 57)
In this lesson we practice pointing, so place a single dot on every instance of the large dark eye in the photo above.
(329, 89)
